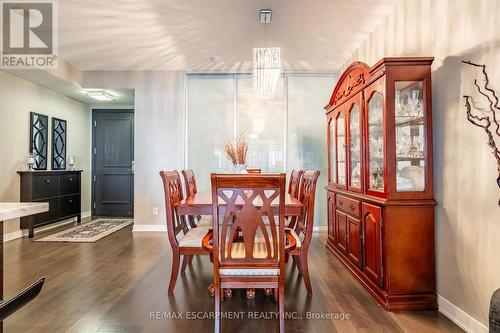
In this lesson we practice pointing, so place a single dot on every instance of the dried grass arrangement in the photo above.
(237, 152)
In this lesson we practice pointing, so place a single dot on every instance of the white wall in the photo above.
(159, 134)
(17, 98)
(467, 215)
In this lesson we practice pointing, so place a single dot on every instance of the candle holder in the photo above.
(71, 163)
(30, 161)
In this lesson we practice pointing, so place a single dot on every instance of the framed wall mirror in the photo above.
(39, 132)
(59, 128)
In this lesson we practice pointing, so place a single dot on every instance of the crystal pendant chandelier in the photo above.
(266, 71)
(266, 64)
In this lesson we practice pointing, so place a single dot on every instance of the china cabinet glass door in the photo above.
(410, 136)
(333, 152)
(341, 152)
(354, 147)
(375, 114)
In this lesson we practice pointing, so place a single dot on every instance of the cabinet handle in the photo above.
(70, 200)
(351, 207)
(71, 179)
(47, 180)
(341, 203)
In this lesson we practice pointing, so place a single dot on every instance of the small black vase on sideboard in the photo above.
(61, 189)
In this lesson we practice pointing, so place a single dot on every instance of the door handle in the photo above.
(132, 167)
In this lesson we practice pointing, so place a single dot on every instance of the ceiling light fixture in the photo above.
(99, 95)
(266, 63)
(216, 58)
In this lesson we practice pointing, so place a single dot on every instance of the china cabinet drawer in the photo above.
(349, 206)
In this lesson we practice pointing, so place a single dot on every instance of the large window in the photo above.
(285, 133)
(263, 122)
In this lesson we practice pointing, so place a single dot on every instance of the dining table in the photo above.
(200, 204)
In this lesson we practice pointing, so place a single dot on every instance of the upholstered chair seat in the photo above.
(205, 222)
(193, 237)
(259, 250)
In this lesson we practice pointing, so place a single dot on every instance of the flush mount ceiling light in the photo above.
(216, 58)
(99, 95)
(266, 63)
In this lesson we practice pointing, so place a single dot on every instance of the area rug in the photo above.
(89, 232)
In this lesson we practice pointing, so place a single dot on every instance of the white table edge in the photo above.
(13, 210)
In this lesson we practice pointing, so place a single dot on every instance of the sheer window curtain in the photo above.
(284, 133)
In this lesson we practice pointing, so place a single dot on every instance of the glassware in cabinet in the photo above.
(410, 136)
(376, 155)
(341, 151)
(333, 152)
(354, 147)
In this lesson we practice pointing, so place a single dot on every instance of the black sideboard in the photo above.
(61, 189)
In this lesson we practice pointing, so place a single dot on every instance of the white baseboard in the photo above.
(149, 228)
(86, 215)
(460, 317)
(163, 228)
(20, 233)
(12, 235)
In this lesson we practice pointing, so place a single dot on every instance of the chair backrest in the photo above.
(173, 195)
(294, 183)
(189, 182)
(242, 204)
(307, 195)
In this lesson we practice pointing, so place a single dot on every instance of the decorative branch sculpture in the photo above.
(489, 118)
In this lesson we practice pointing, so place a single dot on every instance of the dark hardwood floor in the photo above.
(115, 284)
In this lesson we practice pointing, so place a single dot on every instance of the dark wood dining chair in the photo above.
(303, 228)
(191, 189)
(294, 183)
(189, 242)
(240, 259)
(293, 190)
(190, 182)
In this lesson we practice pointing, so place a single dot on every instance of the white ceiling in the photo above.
(123, 98)
(184, 34)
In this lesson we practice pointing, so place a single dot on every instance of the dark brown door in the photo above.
(113, 158)
(372, 225)
(341, 220)
(354, 249)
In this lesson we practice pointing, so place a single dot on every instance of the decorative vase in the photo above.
(240, 168)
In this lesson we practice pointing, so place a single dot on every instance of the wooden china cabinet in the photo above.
(380, 189)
